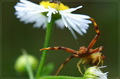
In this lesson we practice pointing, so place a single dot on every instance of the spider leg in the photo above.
(99, 58)
(97, 49)
(96, 36)
(84, 67)
(60, 48)
(78, 66)
(102, 62)
(62, 65)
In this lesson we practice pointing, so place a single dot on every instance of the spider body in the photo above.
(92, 57)
(87, 55)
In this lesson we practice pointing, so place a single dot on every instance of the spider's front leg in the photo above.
(60, 48)
(78, 65)
(96, 36)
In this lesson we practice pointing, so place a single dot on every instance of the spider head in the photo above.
(82, 50)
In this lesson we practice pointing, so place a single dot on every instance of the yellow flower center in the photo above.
(54, 5)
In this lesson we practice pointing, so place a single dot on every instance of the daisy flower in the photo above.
(95, 73)
(40, 15)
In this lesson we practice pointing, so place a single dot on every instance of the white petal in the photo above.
(29, 12)
(72, 9)
(102, 66)
(80, 17)
(68, 26)
(95, 73)
(50, 12)
(77, 22)
(40, 21)
(60, 23)
(29, 6)
(73, 26)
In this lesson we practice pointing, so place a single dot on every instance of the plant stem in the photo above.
(46, 43)
(61, 77)
(28, 66)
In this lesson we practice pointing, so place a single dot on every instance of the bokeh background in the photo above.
(16, 35)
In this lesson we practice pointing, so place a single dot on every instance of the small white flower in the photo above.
(42, 14)
(95, 73)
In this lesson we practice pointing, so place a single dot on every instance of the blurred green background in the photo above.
(17, 35)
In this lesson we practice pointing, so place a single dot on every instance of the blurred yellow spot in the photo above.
(56, 6)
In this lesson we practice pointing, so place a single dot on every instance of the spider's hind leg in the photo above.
(62, 65)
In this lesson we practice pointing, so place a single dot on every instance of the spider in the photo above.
(87, 55)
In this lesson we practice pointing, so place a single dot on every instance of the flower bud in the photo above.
(20, 64)
(95, 73)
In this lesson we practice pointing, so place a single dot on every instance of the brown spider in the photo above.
(87, 55)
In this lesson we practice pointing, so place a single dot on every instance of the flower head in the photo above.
(95, 73)
(20, 64)
(42, 14)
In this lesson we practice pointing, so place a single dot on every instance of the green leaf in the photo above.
(47, 69)
(60, 77)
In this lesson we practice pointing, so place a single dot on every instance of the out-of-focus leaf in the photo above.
(60, 77)
(47, 69)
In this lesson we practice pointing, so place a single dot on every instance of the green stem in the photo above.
(28, 66)
(61, 77)
(46, 43)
